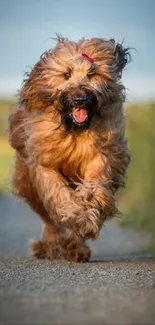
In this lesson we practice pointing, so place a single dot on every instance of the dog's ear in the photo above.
(122, 57)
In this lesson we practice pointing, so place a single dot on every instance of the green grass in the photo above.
(138, 199)
(6, 152)
(6, 162)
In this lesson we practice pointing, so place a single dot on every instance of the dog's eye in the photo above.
(67, 75)
(90, 73)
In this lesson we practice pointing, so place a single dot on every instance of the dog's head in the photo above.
(78, 80)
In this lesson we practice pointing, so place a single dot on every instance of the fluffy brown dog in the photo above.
(71, 153)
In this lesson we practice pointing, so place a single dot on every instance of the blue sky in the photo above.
(26, 28)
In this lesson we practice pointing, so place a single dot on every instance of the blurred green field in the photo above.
(6, 162)
(6, 152)
(137, 201)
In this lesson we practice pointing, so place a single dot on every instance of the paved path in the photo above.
(116, 287)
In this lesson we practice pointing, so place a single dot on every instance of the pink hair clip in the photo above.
(87, 57)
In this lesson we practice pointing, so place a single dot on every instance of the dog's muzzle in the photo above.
(78, 107)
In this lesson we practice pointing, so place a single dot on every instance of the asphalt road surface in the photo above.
(116, 287)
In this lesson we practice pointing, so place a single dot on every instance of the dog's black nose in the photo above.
(80, 99)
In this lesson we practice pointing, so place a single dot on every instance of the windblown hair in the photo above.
(69, 172)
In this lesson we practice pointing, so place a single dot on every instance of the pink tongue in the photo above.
(79, 114)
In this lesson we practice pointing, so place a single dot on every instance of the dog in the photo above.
(68, 132)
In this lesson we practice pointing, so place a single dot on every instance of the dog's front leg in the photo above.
(72, 209)
(96, 197)
(57, 197)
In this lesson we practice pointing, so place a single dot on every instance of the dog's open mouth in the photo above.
(80, 115)
(77, 109)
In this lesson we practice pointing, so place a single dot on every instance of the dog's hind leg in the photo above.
(76, 249)
(57, 243)
(48, 247)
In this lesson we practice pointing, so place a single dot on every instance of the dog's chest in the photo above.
(80, 152)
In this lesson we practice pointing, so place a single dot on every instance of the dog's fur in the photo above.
(69, 173)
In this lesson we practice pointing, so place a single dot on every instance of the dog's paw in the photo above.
(87, 230)
(85, 223)
(87, 227)
(46, 250)
(39, 249)
(79, 254)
